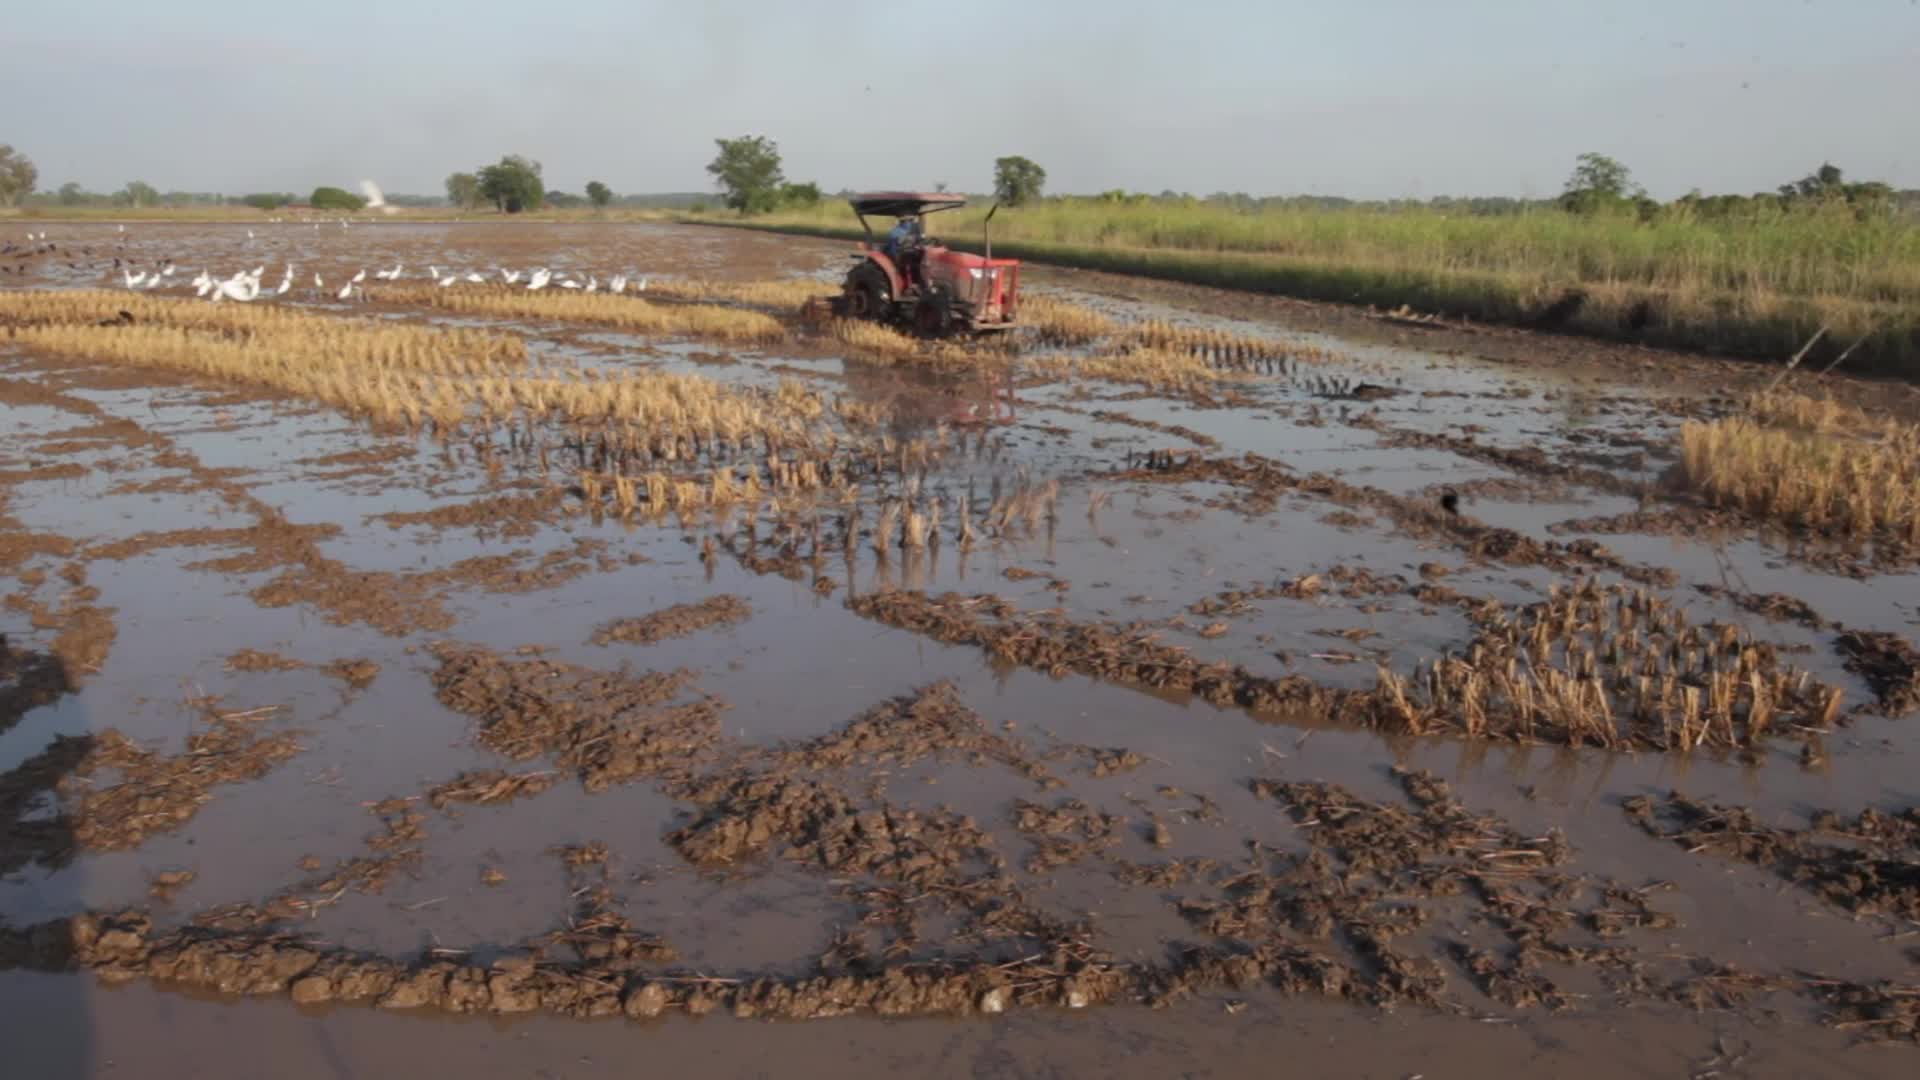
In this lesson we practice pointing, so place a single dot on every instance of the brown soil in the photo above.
(1890, 665)
(502, 515)
(679, 620)
(357, 674)
(157, 792)
(258, 660)
(607, 727)
(1869, 864)
(490, 786)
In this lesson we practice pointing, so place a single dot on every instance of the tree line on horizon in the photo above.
(749, 176)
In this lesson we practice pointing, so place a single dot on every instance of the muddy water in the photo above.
(1119, 545)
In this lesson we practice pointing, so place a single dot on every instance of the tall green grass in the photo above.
(1757, 286)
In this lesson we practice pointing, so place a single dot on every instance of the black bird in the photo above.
(1450, 501)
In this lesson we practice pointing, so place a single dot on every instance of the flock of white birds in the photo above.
(247, 286)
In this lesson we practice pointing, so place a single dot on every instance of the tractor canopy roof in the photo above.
(902, 203)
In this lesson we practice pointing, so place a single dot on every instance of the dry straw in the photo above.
(625, 312)
(1812, 463)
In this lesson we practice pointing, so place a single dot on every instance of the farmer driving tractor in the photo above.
(907, 277)
(903, 244)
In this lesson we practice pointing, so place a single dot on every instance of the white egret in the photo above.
(359, 277)
(376, 200)
(512, 277)
(167, 270)
(449, 281)
(389, 275)
(539, 279)
(238, 287)
(618, 284)
(345, 291)
(643, 284)
(317, 283)
(474, 277)
(593, 283)
(569, 284)
(133, 280)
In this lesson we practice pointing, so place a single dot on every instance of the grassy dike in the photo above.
(1686, 291)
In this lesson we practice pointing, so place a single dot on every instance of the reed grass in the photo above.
(1754, 287)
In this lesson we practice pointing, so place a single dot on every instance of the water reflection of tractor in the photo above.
(918, 400)
(912, 279)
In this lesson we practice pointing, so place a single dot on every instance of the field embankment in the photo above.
(1757, 287)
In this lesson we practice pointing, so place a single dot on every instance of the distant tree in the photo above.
(17, 175)
(1599, 182)
(513, 185)
(1828, 185)
(748, 170)
(1601, 175)
(599, 194)
(463, 190)
(800, 195)
(333, 198)
(565, 200)
(71, 194)
(1017, 180)
(141, 193)
(267, 200)
(940, 187)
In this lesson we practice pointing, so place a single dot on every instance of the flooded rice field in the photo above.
(416, 672)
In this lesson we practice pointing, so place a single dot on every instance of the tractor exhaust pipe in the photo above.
(986, 227)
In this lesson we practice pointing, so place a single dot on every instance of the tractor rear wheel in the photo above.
(869, 295)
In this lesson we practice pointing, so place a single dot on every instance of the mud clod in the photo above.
(1869, 864)
(610, 727)
(679, 620)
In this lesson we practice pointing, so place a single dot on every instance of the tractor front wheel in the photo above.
(933, 315)
(869, 296)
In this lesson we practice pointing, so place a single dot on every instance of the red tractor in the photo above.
(913, 279)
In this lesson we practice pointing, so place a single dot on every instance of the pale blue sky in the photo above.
(1370, 98)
